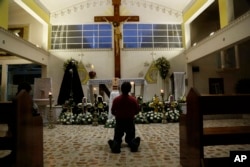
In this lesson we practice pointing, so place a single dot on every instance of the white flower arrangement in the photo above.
(110, 123)
(67, 118)
(154, 117)
(141, 118)
(173, 115)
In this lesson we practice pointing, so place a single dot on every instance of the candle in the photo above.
(50, 100)
(132, 87)
(94, 90)
(92, 67)
(162, 91)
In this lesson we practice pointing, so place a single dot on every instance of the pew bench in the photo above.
(194, 136)
(24, 133)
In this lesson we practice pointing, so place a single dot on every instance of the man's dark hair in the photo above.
(126, 87)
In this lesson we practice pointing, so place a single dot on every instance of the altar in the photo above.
(94, 85)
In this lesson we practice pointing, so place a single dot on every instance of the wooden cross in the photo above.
(116, 20)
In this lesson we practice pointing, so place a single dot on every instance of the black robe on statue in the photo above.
(71, 85)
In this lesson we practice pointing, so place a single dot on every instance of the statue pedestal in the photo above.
(42, 90)
(42, 108)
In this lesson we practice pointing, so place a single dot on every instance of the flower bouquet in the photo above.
(173, 115)
(141, 118)
(110, 123)
(67, 118)
(102, 119)
(154, 117)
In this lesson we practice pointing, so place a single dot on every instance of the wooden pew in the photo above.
(194, 136)
(25, 133)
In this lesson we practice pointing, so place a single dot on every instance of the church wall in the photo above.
(35, 32)
(208, 68)
(132, 65)
(132, 61)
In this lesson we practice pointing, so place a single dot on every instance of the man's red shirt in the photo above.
(125, 107)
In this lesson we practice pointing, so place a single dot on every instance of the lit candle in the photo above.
(162, 91)
(92, 67)
(94, 89)
(50, 94)
(162, 94)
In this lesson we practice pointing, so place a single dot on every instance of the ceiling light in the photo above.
(212, 33)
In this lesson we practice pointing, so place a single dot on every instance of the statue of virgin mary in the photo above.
(71, 85)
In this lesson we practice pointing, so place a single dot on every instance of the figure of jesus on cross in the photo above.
(116, 21)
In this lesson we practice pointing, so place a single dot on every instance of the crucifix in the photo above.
(116, 20)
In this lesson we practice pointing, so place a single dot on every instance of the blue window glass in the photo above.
(130, 33)
(105, 33)
(105, 40)
(151, 35)
(105, 45)
(90, 33)
(105, 27)
(81, 36)
(131, 45)
(146, 39)
(129, 26)
(145, 32)
(130, 39)
(90, 27)
(145, 26)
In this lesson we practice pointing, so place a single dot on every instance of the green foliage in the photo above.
(163, 66)
(69, 61)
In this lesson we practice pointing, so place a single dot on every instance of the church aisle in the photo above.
(86, 146)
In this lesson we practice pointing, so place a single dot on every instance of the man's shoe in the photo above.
(135, 144)
(110, 142)
(115, 148)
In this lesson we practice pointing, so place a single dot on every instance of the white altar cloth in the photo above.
(96, 82)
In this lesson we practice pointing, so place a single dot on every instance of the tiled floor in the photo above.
(86, 146)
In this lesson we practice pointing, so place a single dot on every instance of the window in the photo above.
(18, 73)
(81, 36)
(100, 36)
(152, 36)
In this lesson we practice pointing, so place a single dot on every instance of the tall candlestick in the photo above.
(50, 116)
(50, 100)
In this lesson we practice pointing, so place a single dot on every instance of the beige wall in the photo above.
(209, 69)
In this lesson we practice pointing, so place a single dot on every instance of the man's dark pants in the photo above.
(126, 126)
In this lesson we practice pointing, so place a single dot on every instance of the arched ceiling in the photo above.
(56, 5)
